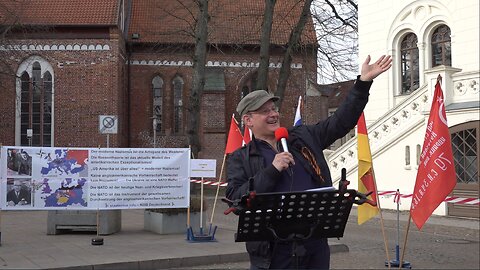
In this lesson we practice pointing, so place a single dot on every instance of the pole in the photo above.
(397, 261)
(218, 188)
(98, 240)
(188, 217)
(188, 208)
(98, 218)
(98, 209)
(406, 237)
(385, 242)
(201, 207)
(400, 262)
(397, 251)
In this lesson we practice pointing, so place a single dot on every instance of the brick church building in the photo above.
(65, 63)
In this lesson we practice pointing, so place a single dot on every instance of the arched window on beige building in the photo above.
(409, 64)
(441, 46)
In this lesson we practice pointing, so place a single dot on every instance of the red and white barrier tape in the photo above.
(209, 183)
(457, 200)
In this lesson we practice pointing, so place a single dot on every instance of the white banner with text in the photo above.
(51, 178)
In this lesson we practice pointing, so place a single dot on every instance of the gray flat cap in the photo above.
(254, 100)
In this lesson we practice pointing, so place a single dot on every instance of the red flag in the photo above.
(436, 172)
(366, 181)
(235, 139)
(246, 135)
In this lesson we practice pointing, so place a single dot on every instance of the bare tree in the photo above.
(199, 59)
(262, 77)
(336, 23)
(289, 48)
(185, 27)
(13, 29)
(8, 21)
(292, 45)
(336, 27)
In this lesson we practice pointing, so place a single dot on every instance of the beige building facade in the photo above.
(426, 38)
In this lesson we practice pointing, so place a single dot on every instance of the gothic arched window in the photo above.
(36, 107)
(410, 65)
(47, 109)
(178, 105)
(157, 89)
(441, 46)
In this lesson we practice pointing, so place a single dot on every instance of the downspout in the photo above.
(129, 85)
(129, 48)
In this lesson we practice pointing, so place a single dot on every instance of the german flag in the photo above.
(366, 180)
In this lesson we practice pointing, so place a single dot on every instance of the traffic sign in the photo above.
(108, 124)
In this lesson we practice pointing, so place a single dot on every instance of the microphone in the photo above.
(281, 134)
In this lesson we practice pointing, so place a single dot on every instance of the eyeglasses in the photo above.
(266, 111)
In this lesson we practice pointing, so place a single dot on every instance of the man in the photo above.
(24, 163)
(18, 195)
(303, 167)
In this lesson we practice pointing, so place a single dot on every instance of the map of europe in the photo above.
(68, 192)
(65, 162)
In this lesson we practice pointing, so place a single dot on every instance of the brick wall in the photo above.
(7, 106)
(87, 83)
(216, 106)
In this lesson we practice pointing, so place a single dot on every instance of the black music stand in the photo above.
(295, 216)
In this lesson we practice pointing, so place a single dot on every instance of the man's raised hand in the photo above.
(370, 72)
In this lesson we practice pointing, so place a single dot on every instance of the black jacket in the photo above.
(248, 162)
(23, 194)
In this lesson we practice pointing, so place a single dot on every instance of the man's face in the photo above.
(17, 186)
(264, 121)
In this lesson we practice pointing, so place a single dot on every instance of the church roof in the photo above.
(165, 21)
(231, 22)
(59, 12)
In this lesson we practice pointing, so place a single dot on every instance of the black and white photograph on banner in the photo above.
(19, 192)
(19, 162)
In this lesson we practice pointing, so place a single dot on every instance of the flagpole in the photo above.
(385, 241)
(218, 188)
(434, 193)
(188, 208)
(405, 242)
(362, 125)
(233, 134)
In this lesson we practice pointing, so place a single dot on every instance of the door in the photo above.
(465, 146)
